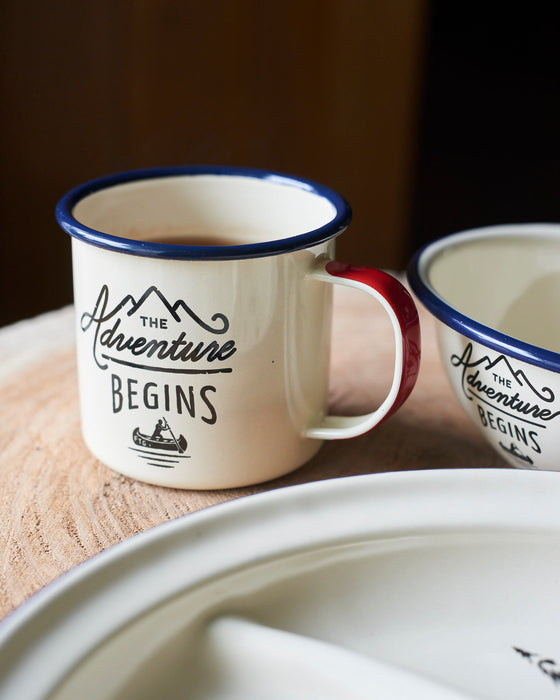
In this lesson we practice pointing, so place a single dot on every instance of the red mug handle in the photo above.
(400, 308)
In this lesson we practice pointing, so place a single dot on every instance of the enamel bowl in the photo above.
(495, 293)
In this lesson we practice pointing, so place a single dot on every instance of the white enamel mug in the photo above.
(203, 308)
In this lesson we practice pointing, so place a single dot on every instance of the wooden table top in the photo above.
(59, 505)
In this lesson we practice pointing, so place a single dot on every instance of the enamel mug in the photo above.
(203, 315)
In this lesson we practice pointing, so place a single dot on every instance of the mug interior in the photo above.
(204, 209)
(508, 280)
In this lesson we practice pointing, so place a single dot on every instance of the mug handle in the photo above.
(400, 308)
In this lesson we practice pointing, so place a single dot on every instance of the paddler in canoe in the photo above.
(157, 441)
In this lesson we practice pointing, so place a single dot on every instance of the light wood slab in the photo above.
(60, 506)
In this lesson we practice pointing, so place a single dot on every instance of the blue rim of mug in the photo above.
(67, 221)
(419, 280)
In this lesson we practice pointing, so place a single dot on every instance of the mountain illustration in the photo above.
(101, 314)
(500, 364)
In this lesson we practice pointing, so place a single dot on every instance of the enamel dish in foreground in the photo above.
(434, 584)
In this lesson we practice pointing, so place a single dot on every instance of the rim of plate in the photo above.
(418, 278)
(139, 573)
(142, 572)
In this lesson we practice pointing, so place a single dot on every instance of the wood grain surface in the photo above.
(60, 506)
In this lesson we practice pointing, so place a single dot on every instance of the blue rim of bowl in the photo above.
(67, 221)
(418, 271)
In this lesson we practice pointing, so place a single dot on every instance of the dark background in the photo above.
(489, 137)
(430, 117)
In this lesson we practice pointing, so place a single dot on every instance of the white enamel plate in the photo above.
(435, 584)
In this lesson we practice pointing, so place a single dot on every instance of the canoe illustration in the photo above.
(514, 450)
(159, 443)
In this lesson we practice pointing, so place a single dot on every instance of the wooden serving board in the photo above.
(60, 506)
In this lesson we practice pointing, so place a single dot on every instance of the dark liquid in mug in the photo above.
(197, 240)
